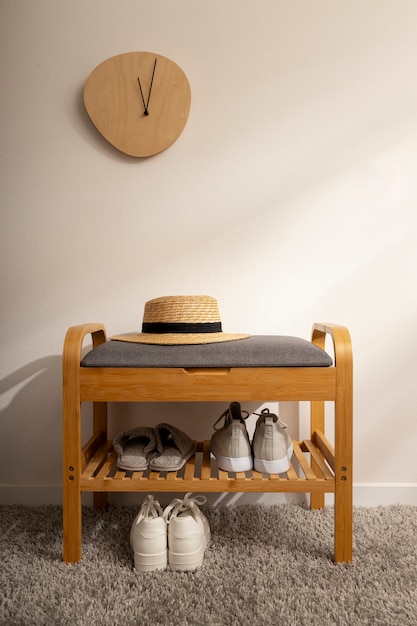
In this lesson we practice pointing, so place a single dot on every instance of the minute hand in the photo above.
(146, 105)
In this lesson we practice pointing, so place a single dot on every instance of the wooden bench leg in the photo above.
(71, 457)
(343, 470)
(72, 524)
(343, 522)
(317, 501)
(316, 424)
(71, 433)
(100, 498)
(71, 493)
(343, 504)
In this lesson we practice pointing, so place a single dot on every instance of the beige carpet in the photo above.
(264, 566)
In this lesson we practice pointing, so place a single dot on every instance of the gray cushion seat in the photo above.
(255, 351)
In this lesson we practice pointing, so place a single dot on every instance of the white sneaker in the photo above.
(272, 447)
(188, 532)
(230, 443)
(148, 537)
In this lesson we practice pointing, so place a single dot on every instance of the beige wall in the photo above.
(290, 197)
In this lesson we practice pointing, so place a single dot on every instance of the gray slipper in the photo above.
(134, 448)
(173, 449)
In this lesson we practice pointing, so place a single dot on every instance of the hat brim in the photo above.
(177, 339)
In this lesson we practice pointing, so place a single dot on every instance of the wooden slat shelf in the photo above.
(201, 473)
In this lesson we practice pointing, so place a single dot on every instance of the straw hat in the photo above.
(179, 320)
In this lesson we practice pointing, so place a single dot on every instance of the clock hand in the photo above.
(150, 87)
(145, 106)
(143, 99)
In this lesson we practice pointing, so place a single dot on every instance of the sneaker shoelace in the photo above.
(150, 509)
(266, 413)
(188, 504)
(227, 416)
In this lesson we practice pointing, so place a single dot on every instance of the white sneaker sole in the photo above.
(277, 466)
(151, 562)
(232, 464)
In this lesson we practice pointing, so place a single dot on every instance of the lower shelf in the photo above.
(310, 472)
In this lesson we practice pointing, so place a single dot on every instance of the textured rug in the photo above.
(265, 565)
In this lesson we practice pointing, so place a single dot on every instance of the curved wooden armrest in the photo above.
(342, 343)
(74, 339)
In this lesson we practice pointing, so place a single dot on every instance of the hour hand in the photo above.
(145, 108)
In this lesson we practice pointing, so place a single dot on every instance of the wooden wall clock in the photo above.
(138, 101)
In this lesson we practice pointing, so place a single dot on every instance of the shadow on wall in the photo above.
(31, 395)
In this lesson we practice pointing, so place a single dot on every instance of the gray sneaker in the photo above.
(230, 443)
(272, 447)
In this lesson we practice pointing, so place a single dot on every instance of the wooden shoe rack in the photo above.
(317, 466)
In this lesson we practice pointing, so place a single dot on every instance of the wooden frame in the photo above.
(317, 467)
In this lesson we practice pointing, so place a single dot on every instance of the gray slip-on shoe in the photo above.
(134, 448)
(173, 449)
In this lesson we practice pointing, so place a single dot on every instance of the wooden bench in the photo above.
(317, 466)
